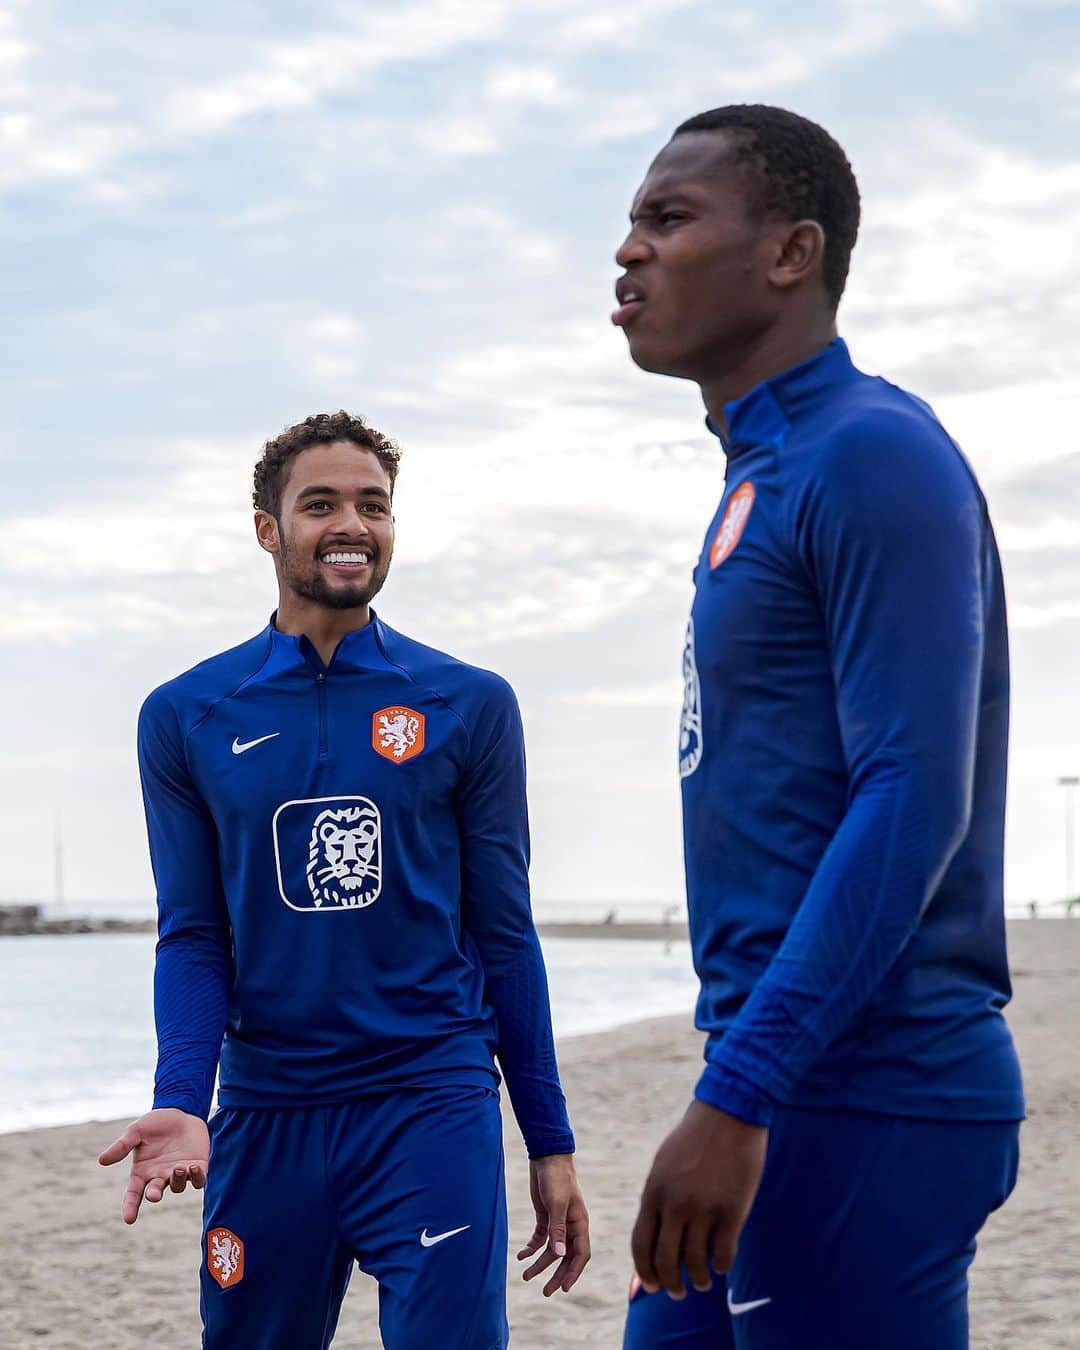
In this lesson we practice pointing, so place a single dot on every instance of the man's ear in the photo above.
(800, 254)
(267, 533)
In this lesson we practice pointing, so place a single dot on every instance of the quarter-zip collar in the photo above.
(767, 411)
(361, 649)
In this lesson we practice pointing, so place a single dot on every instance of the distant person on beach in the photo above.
(338, 831)
(843, 750)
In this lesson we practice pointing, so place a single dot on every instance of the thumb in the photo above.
(557, 1226)
(120, 1148)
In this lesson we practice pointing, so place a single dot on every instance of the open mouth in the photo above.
(346, 561)
(631, 299)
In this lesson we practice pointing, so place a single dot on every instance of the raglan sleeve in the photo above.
(193, 965)
(497, 915)
(893, 537)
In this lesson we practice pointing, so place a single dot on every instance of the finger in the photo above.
(178, 1180)
(198, 1176)
(643, 1244)
(132, 1198)
(696, 1254)
(119, 1148)
(556, 1281)
(580, 1255)
(155, 1189)
(723, 1249)
(547, 1258)
(669, 1244)
(534, 1244)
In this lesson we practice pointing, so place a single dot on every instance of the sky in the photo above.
(217, 219)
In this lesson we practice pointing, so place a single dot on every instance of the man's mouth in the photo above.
(631, 298)
(346, 560)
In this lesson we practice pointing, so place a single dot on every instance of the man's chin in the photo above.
(653, 358)
(348, 595)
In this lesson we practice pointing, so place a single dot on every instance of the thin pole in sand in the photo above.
(1069, 782)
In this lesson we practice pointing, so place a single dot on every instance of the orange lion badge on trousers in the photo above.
(224, 1257)
(397, 733)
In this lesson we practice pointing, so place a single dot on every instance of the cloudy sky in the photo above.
(219, 218)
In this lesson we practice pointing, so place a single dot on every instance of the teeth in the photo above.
(346, 558)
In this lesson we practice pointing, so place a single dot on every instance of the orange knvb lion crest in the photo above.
(397, 733)
(733, 524)
(224, 1257)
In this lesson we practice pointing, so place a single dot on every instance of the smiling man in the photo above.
(842, 750)
(338, 831)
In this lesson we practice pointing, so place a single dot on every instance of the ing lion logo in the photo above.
(690, 720)
(224, 1257)
(328, 852)
(344, 862)
(397, 733)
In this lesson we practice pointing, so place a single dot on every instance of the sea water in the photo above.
(78, 1029)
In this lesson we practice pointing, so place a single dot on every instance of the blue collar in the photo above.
(359, 649)
(769, 408)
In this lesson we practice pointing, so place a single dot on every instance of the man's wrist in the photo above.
(736, 1096)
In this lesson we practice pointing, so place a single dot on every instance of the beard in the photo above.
(312, 585)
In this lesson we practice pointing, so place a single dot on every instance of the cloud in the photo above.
(527, 84)
(658, 694)
(298, 74)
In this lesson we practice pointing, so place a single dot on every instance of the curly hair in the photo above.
(271, 472)
(803, 172)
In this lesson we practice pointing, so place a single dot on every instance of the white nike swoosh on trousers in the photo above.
(426, 1241)
(238, 746)
(737, 1309)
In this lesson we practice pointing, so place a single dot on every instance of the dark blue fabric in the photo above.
(860, 1238)
(347, 919)
(310, 1191)
(844, 745)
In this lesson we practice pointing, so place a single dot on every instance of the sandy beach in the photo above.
(74, 1276)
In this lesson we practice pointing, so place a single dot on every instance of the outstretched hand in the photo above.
(562, 1223)
(170, 1149)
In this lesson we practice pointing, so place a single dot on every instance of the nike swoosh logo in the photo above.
(426, 1241)
(239, 746)
(737, 1309)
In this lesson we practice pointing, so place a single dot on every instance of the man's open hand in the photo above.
(170, 1149)
(696, 1199)
(562, 1223)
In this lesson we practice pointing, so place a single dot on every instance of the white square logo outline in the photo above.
(318, 801)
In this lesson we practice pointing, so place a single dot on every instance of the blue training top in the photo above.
(341, 858)
(843, 753)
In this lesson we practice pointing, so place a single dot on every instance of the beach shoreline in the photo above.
(78, 1276)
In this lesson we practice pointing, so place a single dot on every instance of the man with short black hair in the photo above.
(842, 750)
(338, 831)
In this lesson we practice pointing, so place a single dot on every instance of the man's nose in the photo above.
(633, 249)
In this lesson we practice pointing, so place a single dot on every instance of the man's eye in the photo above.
(314, 506)
(376, 507)
(670, 217)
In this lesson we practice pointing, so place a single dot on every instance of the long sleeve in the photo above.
(193, 967)
(892, 535)
(498, 918)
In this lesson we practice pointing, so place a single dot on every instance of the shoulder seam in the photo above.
(231, 694)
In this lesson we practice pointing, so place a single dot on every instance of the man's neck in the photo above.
(324, 628)
(776, 352)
